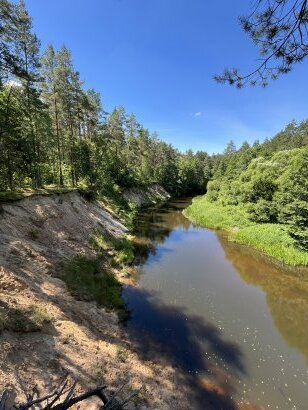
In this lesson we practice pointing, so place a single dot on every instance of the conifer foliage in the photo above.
(54, 131)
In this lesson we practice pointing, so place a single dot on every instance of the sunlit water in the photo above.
(223, 314)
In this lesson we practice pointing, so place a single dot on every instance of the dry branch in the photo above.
(64, 397)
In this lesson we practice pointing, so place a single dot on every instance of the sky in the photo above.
(157, 58)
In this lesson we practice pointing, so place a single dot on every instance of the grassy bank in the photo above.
(25, 320)
(88, 279)
(92, 279)
(272, 239)
(121, 250)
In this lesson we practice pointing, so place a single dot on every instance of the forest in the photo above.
(56, 133)
(262, 191)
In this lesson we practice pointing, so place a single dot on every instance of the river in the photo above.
(232, 322)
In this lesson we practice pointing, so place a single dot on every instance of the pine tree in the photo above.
(50, 94)
(27, 48)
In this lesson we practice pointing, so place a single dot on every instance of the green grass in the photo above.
(87, 280)
(31, 319)
(216, 216)
(122, 354)
(34, 234)
(271, 239)
(121, 249)
(113, 199)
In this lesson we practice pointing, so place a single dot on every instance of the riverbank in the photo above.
(63, 260)
(271, 239)
(143, 197)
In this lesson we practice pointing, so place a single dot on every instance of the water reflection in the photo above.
(286, 291)
(154, 226)
(212, 309)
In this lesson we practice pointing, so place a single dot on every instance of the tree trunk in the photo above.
(61, 182)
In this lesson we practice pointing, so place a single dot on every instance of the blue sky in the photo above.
(157, 59)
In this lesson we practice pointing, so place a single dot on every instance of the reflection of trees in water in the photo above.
(155, 225)
(286, 291)
(208, 372)
(170, 336)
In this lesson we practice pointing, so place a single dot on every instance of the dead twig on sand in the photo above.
(64, 397)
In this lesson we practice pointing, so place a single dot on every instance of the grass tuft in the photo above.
(122, 354)
(31, 319)
(273, 240)
(34, 234)
(87, 280)
(121, 249)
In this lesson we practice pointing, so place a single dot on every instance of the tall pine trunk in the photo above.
(61, 182)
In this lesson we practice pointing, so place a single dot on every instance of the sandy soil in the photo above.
(36, 234)
(146, 197)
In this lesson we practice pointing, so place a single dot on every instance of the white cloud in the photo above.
(197, 114)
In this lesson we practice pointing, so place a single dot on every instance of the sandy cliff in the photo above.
(79, 338)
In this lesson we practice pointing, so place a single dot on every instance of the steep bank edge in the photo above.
(86, 341)
(148, 196)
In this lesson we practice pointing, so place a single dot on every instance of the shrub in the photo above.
(213, 188)
(263, 211)
(262, 189)
(293, 199)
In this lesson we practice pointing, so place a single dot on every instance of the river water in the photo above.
(233, 323)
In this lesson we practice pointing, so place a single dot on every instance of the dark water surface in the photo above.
(232, 322)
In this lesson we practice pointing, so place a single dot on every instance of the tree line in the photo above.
(268, 180)
(54, 131)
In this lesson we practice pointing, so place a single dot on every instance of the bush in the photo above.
(293, 199)
(262, 189)
(263, 211)
(213, 189)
